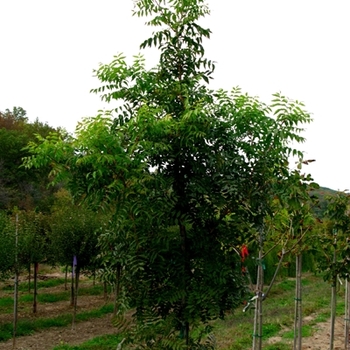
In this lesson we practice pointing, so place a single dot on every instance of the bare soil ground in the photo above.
(46, 340)
(49, 338)
(321, 338)
(84, 331)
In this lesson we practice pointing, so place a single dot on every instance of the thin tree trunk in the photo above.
(72, 290)
(274, 275)
(334, 295)
(347, 314)
(117, 290)
(187, 272)
(77, 273)
(15, 296)
(258, 315)
(300, 319)
(187, 333)
(298, 306)
(105, 291)
(15, 309)
(66, 278)
(35, 296)
(333, 311)
(29, 277)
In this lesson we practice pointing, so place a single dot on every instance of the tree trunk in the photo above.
(187, 273)
(15, 309)
(35, 296)
(298, 306)
(105, 291)
(72, 289)
(274, 275)
(258, 315)
(334, 294)
(333, 311)
(15, 296)
(77, 273)
(117, 290)
(257, 332)
(66, 278)
(29, 277)
(347, 314)
(187, 333)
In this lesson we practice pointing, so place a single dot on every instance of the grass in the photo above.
(6, 303)
(97, 289)
(23, 287)
(233, 333)
(27, 327)
(236, 331)
(270, 330)
(45, 297)
(307, 331)
(340, 306)
(323, 317)
(106, 342)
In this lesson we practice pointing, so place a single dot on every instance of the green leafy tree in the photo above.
(72, 238)
(187, 172)
(302, 221)
(72, 231)
(335, 262)
(7, 246)
(26, 189)
(276, 193)
(35, 245)
(14, 231)
(337, 226)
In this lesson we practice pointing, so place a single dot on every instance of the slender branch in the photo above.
(298, 240)
(274, 275)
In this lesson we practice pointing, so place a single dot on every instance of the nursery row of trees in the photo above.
(173, 182)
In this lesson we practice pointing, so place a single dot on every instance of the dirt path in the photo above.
(49, 338)
(46, 340)
(320, 340)
(84, 331)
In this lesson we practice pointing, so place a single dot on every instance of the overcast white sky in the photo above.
(299, 47)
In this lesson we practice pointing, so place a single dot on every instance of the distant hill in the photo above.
(322, 193)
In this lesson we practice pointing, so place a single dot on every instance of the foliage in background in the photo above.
(32, 245)
(322, 195)
(335, 234)
(7, 245)
(72, 232)
(26, 189)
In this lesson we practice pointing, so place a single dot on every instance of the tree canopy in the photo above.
(189, 173)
